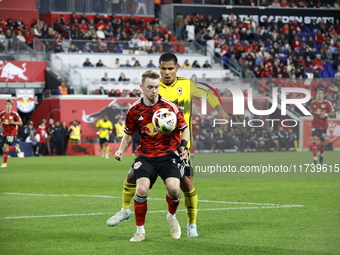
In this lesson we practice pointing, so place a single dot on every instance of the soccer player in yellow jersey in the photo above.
(181, 91)
(104, 130)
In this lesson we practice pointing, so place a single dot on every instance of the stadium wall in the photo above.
(27, 9)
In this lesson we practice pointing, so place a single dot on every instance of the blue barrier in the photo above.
(25, 148)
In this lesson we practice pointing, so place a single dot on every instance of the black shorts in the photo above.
(188, 170)
(103, 140)
(165, 167)
(321, 133)
(8, 140)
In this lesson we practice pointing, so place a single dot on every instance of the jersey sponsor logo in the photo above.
(149, 129)
(9, 71)
(323, 106)
(137, 165)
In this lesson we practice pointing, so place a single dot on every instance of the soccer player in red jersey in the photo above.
(158, 153)
(321, 109)
(9, 120)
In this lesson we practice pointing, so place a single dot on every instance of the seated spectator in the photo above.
(101, 91)
(116, 64)
(83, 17)
(317, 62)
(21, 37)
(206, 64)
(194, 77)
(227, 77)
(35, 140)
(62, 89)
(105, 78)
(108, 32)
(150, 64)
(127, 64)
(100, 33)
(87, 63)
(100, 63)
(195, 64)
(19, 24)
(29, 38)
(72, 48)
(137, 64)
(87, 49)
(122, 77)
(275, 4)
(58, 49)
(83, 27)
(35, 31)
(112, 93)
(186, 64)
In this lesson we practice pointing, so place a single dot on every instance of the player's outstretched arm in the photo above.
(125, 143)
(212, 99)
(221, 114)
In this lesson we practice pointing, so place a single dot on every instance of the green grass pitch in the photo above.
(59, 205)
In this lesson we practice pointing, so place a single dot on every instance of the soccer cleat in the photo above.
(107, 156)
(321, 158)
(175, 229)
(315, 162)
(118, 217)
(138, 237)
(17, 148)
(4, 165)
(192, 231)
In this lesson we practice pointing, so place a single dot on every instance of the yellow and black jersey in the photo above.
(104, 127)
(182, 91)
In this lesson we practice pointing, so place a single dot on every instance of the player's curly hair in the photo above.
(149, 74)
(9, 101)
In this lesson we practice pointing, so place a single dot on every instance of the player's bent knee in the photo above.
(142, 191)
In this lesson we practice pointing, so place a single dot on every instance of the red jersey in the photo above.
(152, 143)
(41, 131)
(325, 107)
(9, 129)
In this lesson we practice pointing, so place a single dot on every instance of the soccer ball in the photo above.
(164, 120)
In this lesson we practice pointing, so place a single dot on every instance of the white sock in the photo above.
(170, 216)
(191, 225)
(125, 210)
(316, 158)
(141, 229)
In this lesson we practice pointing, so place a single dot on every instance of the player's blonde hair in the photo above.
(149, 74)
(9, 101)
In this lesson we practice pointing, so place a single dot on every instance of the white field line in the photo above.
(100, 196)
(259, 206)
(91, 214)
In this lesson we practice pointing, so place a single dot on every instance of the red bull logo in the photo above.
(25, 100)
(9, 71)
(149, 129)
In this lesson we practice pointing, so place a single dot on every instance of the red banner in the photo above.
(22, 5)
(113, 148)
(22, 71)
(333, 133)
(87, 149)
